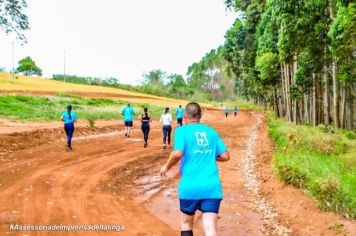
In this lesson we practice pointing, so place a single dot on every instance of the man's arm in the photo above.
(225, 156)
(173, 159)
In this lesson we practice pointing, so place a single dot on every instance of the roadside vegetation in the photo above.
(321, 160)
(50, 108)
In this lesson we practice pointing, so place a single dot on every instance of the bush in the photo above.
(91, 121)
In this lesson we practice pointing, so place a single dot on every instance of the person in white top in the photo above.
(166, 120)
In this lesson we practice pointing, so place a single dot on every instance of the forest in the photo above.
(294, 57)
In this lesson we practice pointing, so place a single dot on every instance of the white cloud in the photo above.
(116, 38)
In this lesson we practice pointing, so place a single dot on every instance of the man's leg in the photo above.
(186, 224)
(169, 130)
(210, 223)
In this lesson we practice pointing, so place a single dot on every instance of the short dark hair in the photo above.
(193, 110)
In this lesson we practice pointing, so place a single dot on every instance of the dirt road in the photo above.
(112, 180)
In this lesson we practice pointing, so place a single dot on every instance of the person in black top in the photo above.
(145, 124)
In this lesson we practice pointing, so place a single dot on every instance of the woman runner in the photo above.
(145, 124)
(166, 120)
(69, 117)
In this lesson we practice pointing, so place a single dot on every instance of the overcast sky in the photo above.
(117, 38)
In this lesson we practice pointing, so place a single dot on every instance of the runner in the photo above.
(199, 147)
(166, 120)
(226, 111)
(235, 111)
(179, 115)
(69, 117)
(128, 113)
(145, 124)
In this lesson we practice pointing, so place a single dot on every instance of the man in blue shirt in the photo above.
(128, 113)
(179, 115)
(226, 111)
(199, 147)
(235, 111)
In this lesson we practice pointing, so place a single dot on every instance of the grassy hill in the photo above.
(43, 86)
(28, 98)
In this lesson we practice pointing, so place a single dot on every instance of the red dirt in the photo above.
(109, 179)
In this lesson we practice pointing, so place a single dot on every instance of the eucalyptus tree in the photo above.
(13, 18)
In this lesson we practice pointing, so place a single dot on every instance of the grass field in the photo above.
(50, 108)
(28, 83)
(320, 160)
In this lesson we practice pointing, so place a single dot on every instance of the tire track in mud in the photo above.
(259, 202)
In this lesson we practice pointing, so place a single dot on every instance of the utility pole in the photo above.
(13, 60)
(64, 66)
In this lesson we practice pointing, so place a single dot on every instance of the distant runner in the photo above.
(226, 111)
(128, 113)
(145, 124)
(235, 111)
(69, 117)
(166, 120)
(199, 147)
(179, 115)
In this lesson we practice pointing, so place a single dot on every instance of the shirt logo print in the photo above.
(202, 140)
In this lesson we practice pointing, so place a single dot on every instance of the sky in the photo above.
(117, 38)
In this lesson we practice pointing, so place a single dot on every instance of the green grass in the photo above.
(35, 108)
(321, 160)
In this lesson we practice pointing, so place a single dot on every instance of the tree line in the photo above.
(296, 57)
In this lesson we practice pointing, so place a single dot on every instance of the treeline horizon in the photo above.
(295, 57)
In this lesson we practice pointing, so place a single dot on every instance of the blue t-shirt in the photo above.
(67, 120)
(235, 109)
(128, 113)
(226, 110)
(180, 112)
(200, 145)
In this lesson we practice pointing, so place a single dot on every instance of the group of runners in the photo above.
(226, 110)
(166, 119)
(197, 146)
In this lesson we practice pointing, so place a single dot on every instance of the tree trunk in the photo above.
(336, 96)
(286, 89)
(349, 107)
(319, 100)
(306, 109)
(326, 97)
(295, 105)
(283, 93)
(343, 107)
(275, 102)
(289, 104)
(314, 103)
